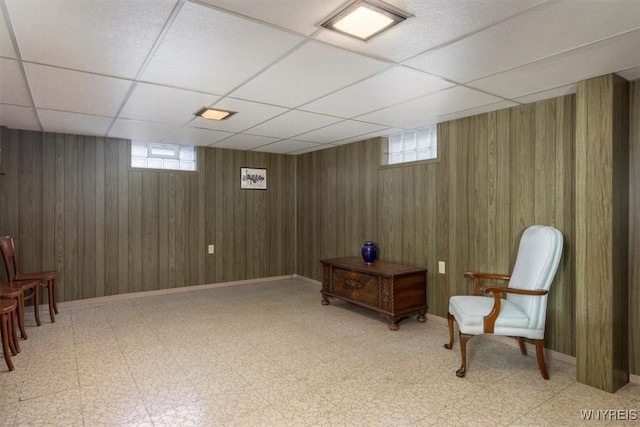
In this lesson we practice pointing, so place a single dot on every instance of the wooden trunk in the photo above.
(393, 290)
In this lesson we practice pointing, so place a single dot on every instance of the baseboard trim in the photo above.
(132, 295)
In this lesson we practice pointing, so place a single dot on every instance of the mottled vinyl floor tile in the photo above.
(62, 408)
(270, 354)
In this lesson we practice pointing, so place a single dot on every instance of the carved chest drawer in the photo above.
(395, 291)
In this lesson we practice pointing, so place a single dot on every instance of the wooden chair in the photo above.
(522, 313)
(8, 330)
(11, 290)
(47, 279)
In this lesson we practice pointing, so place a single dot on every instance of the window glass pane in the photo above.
(187, 153)
(171, 164)
(137, 162)
(395, 158)
(138, 149)
(163, 156)
(187, 166)
(413, 145)
(154, 163)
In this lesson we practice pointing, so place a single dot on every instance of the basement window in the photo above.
(152, 155)
(411, 146)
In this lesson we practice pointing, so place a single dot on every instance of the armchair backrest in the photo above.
(535, 268)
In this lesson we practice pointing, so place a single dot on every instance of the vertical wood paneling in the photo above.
(100, 166)
(634, 228)
(497, 174)
(123, 216)
(111, 216)
(71, 218)
(480, 221)
(602, 210)
(87, 217)
(109, 229)
(150, 242)
(48, 202)
(30, 199)
(163, 231)
(135, 231)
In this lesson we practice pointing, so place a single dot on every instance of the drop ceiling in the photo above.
(141, 69)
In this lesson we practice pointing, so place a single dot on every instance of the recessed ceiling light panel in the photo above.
(364, 19)
(211, 114)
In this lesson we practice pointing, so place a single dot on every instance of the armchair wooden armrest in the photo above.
(490, 319)
(476, 276)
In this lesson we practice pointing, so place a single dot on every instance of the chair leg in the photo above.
(540, 355)
(463, 354)
(20, 313)
(13, 336)
(4, 321)
(523, 349)
(36, 304)
(52, 289)
(450, 319)
(52, 309)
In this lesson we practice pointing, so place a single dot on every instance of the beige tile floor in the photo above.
(270, 354)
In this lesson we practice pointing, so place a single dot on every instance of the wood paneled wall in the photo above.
(634, 228)
(498, 173)
(602, 218)
(73, 204)
(337, 195)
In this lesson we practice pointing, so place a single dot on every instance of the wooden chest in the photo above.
(395, 291)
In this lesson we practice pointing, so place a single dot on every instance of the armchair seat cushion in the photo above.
(470, 311)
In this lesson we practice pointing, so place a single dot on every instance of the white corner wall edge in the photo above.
(551, 354)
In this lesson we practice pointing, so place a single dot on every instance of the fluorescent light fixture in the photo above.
(364, 19)
(211, 114)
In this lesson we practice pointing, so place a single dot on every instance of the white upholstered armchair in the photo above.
(522, 313)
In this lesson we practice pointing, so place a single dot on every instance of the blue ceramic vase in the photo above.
(369, 252)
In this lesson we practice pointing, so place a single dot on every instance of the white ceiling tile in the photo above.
(107, 37)
(631, 74)
(244, 142)
(17, 117)
(310, 72)
(248, 114)
(534, 35)
(74, 91)
(292, 123)
(340, 131)
(6, 45)
(12, 87)
(164, 104)
(425, 110)
(475, 111)
(139, 130)
(287, 146)
(73, 123)
(301, 16)
(547, 94)
(609, 56)
(435, 22)
(196, 136)
(390, 87)
(315, 147)
(213, 51)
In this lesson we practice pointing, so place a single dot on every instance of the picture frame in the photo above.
(253, 179)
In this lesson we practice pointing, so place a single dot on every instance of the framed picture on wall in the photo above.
(253, 179)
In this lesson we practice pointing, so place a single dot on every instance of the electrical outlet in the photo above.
(211, 249)
(441, 268)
